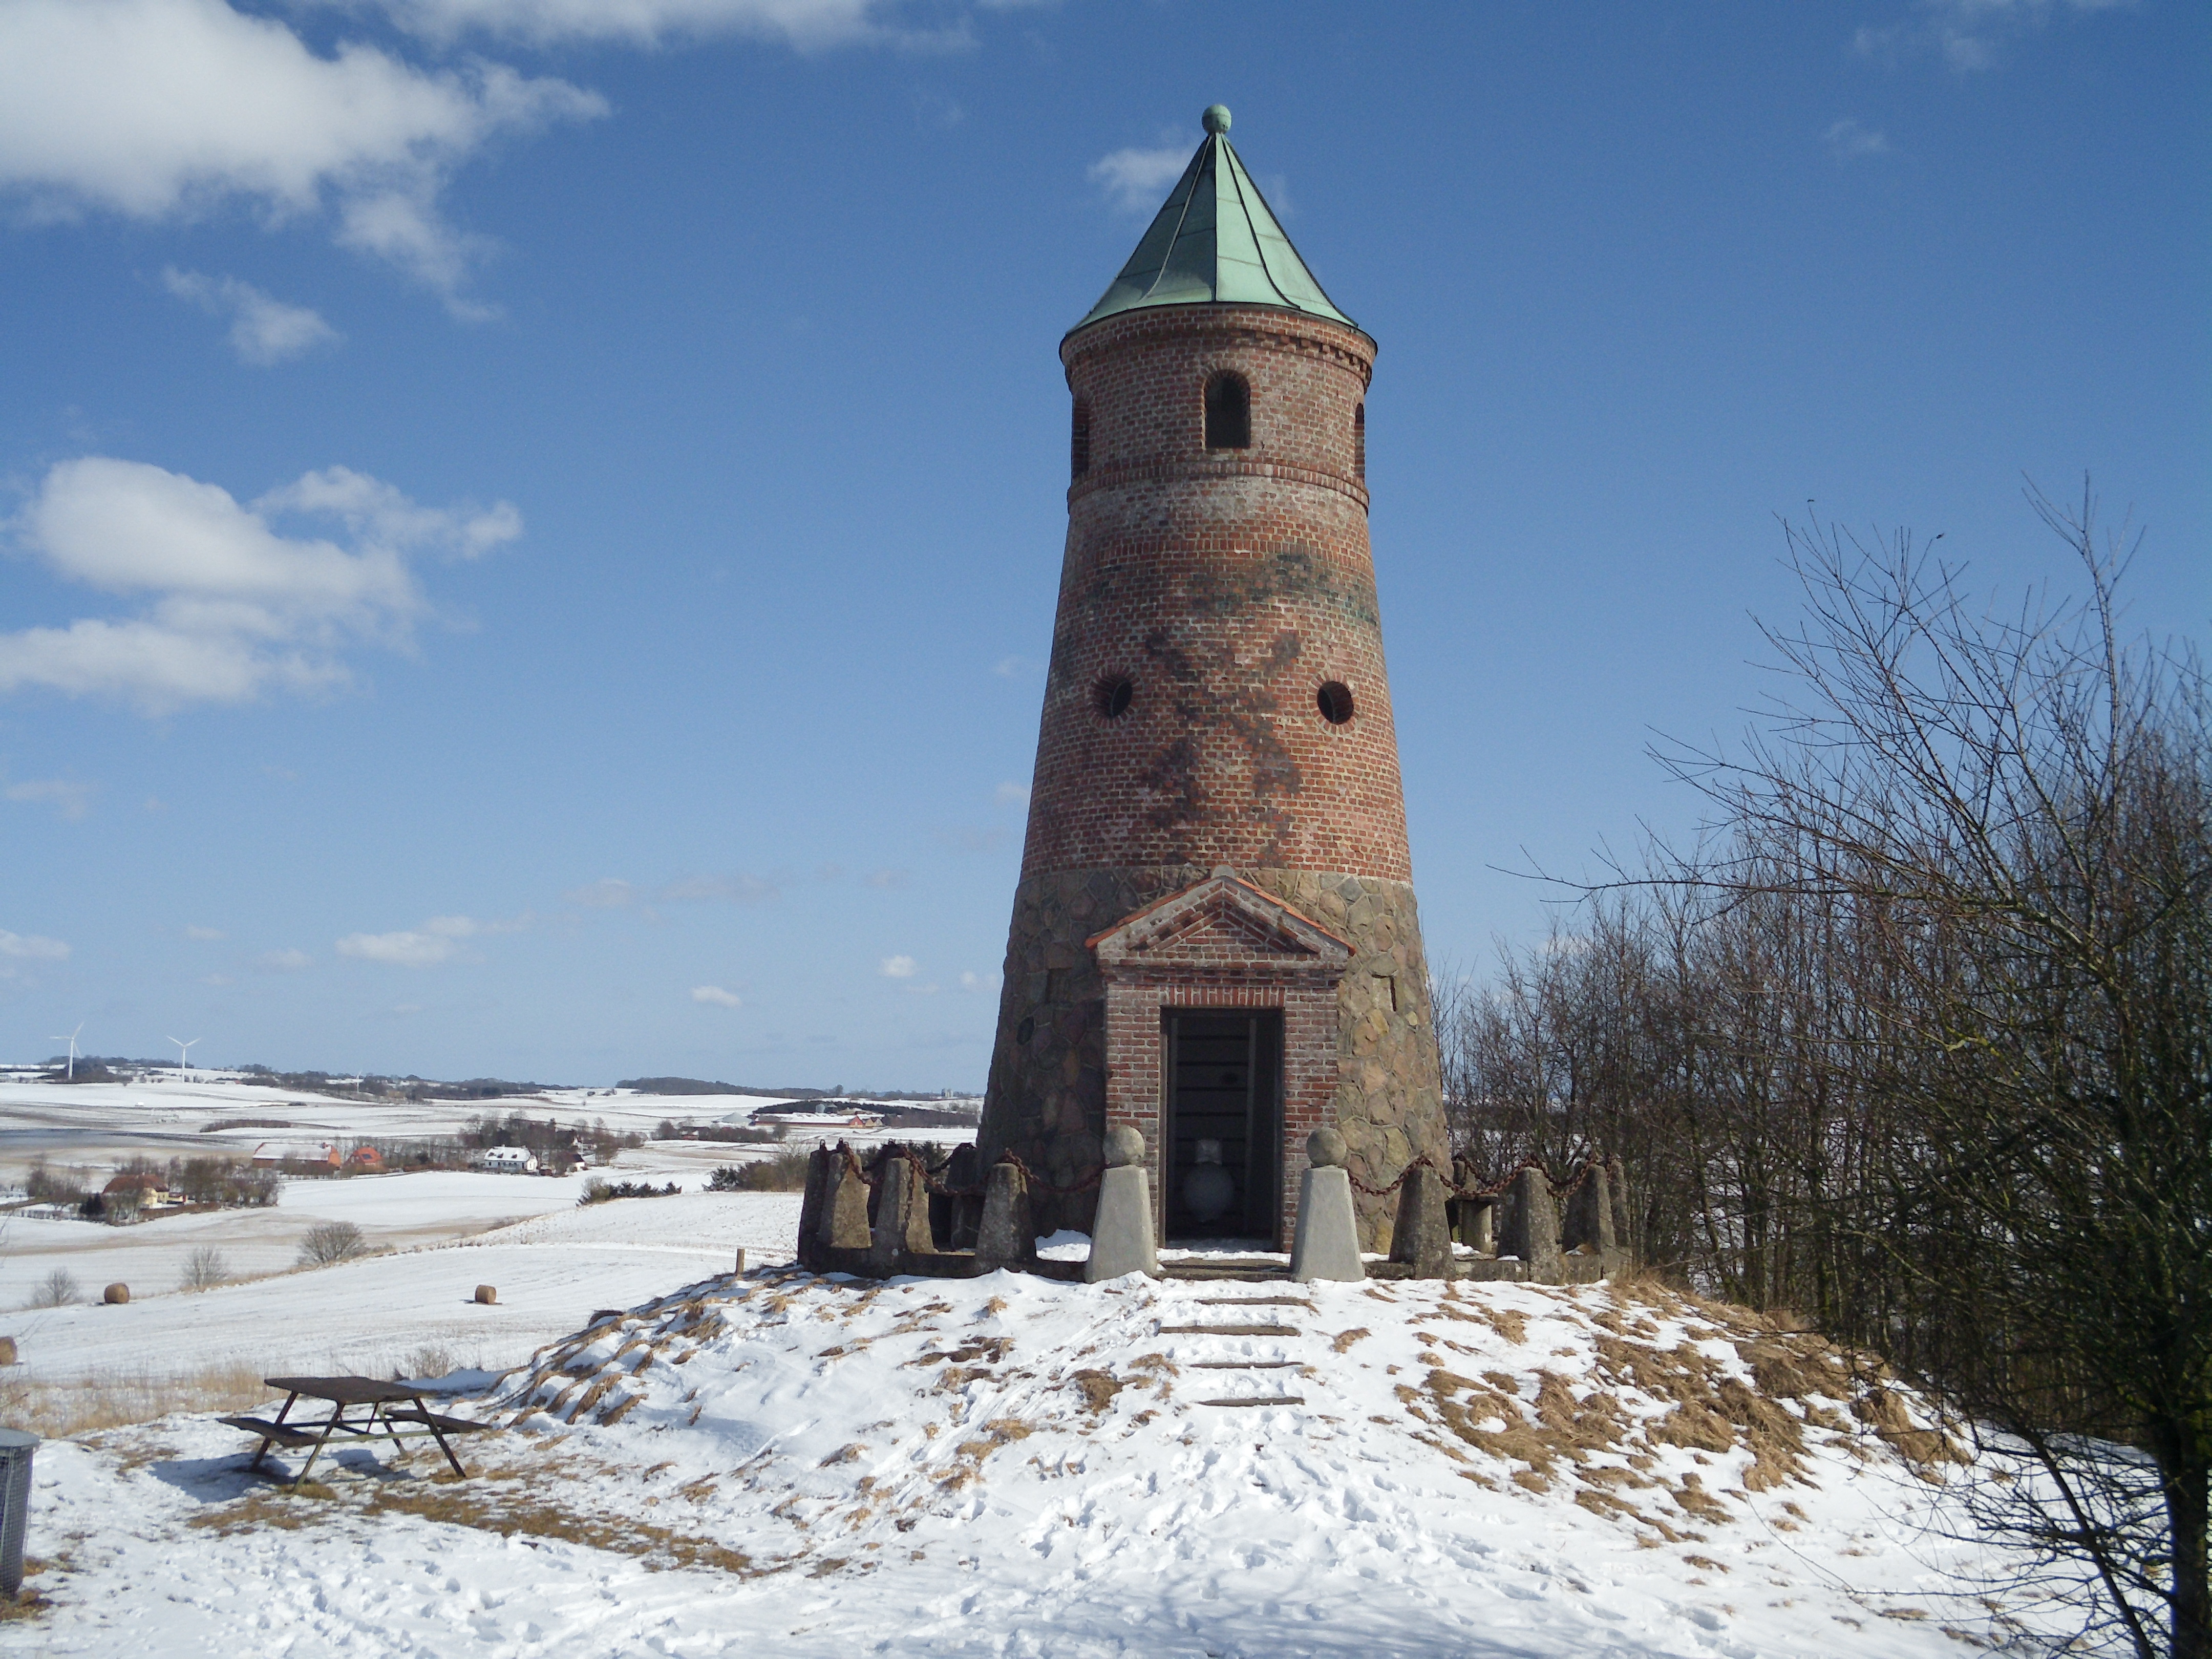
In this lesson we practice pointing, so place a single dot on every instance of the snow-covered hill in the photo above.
(791, 1465)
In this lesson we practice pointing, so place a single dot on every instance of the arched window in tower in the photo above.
(1359, 443)
(1079, 440)
(1227, 412)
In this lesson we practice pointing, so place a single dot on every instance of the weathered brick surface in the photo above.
(1227, 587)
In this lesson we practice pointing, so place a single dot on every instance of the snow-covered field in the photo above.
(162, 1115)
(790, 1466)
(97, 1126)
(376, 1316)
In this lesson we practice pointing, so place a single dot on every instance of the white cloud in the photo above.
(287, 961)
(738, 890)
(435, 941)
(716, 996)
(33, 946)
(1011, 794)
(1965, 33)
(897, 968)
(163, 109)
(235, 606)
(1137, 180)
(203, 933)
(70, 799)
(401, 950)
(1847, 138)
(608, 893)
(970, 981)
(805, 24)
(263, 330)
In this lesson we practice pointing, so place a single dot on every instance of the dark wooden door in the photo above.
(1224, 1072)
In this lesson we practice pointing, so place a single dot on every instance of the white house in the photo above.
(276, 1154)
(507, 1160)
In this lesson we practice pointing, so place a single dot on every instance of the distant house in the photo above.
(507, 1160)
(281, 1154)
(365, 1160)
(135, 1191)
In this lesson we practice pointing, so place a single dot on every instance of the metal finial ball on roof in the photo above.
(1215, 119)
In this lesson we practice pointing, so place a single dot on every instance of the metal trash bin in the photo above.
(15, 1448)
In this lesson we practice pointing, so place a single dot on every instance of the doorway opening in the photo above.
(1224, 1131)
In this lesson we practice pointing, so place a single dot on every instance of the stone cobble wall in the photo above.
(1046, 1095)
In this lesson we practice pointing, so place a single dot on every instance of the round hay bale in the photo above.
(487, 1294)
(116, 1294)
(7, 1349)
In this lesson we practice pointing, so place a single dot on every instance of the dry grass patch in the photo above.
(969, 1455)
(1345, 1338)
(56, 1410)
(513, 1514)
(1883, 1411)
(1509, 1323)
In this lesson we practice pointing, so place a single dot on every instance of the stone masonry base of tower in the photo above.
(1080, 1044)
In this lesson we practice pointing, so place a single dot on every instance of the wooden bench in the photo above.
(442, 1423)
(389, 1405)
(282, 1434)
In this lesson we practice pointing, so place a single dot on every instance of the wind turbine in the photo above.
(183, 1050)
(71, 1040)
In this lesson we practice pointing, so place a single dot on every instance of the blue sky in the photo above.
(530, 527)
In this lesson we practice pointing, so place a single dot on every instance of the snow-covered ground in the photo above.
(781, 1464)
(1009, 1466)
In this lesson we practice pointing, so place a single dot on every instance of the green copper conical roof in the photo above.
(1215, 242)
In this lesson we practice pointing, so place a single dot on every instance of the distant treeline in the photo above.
(693, 1085)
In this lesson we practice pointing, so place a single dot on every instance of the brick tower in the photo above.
(1215, 937)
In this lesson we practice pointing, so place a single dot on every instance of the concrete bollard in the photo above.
(1122, 1233)
(1422, 1239)
(845, 1204)
(901, 1216)
(1532, 1228)
(1478, 1229)
(811, 1210)
(116, 1294)
(963, 1214)
(739, 1270)
(487, 1294)
(1589, 1214)
(1006, 1237)
(1328, 1242)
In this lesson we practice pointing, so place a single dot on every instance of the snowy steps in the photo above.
(1249, 1327)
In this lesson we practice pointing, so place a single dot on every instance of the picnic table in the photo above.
(396, 1409)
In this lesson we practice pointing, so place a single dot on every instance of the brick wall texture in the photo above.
(1226, 587)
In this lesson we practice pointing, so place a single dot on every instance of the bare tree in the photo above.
(2010, 823)
(204, 1268)
(329, 1242)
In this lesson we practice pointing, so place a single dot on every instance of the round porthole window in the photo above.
(1335, 702)
(1111, 696)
